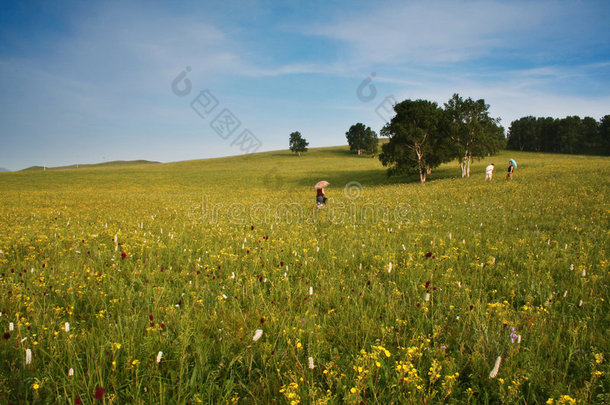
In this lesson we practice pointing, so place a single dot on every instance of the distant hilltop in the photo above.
(2, 169)
(113, 164)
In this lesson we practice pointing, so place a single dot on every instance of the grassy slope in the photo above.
(552, 215)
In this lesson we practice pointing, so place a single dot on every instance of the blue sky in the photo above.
(86, 82)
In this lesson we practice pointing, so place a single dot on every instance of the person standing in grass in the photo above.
(320, 198)
(489, 171)
(320, 195)
(511, 168)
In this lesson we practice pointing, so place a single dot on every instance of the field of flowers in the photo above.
(218, 281)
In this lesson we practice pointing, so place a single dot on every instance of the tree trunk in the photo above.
(299, 153)
(420, 164)
(463, 168)
(359, 151)
(468, 166)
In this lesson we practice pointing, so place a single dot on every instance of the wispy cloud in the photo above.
(442, 32)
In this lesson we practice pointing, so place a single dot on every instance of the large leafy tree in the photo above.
(361, 138)
(473, 132)
(297, 143)
(418, 138)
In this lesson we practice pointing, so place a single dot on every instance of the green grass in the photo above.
(191, 258)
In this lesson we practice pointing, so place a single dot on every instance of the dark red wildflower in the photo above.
(6, 335)
(150, 317)
(429, 254)
(252, 228)
(471, 307)
(99, 393)
(78, 401)
(282, 263)
(262, 320)
(427, 284)
(123, 255)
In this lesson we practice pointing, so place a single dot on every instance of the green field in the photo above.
(395, 292)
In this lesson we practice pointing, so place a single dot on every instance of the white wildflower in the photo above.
(67, 326)
(494, 371)
(159, 355)
(71, 372)
(257, 334)
(310, 361)
(28, 356)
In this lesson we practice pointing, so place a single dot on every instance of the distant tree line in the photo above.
(423, 135)
(565, 135)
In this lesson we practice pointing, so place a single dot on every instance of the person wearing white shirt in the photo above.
(489, 171)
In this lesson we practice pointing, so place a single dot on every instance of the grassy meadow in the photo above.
(152, 283)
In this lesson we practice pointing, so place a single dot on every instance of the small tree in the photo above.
(297, 143)
(418, 138)
(371, 145)
(361, 138)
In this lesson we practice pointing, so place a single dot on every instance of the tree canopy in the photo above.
(297, 143)
(361, 138)
(418, 138)
(473, 133)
